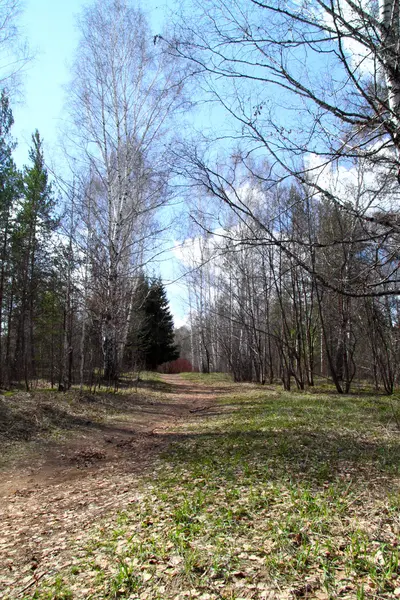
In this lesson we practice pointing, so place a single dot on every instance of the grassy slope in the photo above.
(271, 495)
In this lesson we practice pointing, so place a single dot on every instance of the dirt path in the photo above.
(47, 509)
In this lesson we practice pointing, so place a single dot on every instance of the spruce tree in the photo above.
(156, 333)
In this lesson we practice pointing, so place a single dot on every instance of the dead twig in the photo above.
(36, 578)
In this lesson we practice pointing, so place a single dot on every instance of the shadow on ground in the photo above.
(24, 423)
(26, 416)
(275, 436)
(315, 457)
(278, 436)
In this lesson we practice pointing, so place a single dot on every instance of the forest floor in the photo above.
(195, 487)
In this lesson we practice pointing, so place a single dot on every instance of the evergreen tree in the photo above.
(10, 186)
(156, 332)
(32, 255)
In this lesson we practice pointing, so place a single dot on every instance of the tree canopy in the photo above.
(155, 335)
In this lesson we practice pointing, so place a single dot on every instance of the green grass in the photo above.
(274, 495)
(207, 378)
(152, 380)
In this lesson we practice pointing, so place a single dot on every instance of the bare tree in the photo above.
(314, 87)
(124, 91)
(14, 50)
(272, 317)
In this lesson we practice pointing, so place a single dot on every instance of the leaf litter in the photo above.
(235, 507)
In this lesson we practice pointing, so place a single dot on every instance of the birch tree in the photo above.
(14, 50)
(315, 88)
(124, 91)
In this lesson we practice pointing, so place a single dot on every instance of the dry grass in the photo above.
(265, 495)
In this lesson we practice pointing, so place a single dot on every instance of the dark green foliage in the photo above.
(152, 334)
(10, 189)
(33, 259)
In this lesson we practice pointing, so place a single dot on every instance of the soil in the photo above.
(49, 505)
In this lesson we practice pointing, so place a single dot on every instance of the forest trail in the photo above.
(48, 508)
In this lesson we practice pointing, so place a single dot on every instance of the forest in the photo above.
(290, 248)
(239, 159)
(260, 315)
(76, 306)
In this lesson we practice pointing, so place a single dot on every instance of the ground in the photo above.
(59, 488)
(195, 487)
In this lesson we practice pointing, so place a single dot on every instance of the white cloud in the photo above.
(358, 183)
(362, 61)
(194, 252)
(179, 322)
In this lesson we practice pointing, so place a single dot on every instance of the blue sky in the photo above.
(50, 29)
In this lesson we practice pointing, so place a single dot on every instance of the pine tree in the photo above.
(156, 332)
(32, 255)
(10, 185)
